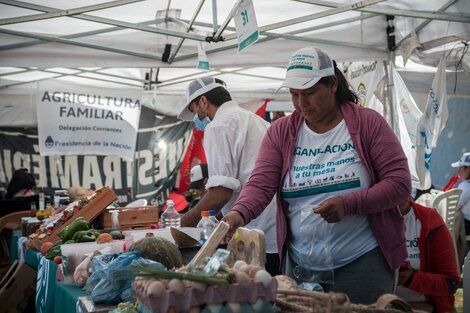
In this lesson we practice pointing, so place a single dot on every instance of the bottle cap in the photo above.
(211, 212)
(204, 213)
(170, 202)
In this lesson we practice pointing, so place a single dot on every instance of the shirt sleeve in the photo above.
(222, 146)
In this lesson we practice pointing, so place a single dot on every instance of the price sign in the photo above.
(246, 25)
(202, 60)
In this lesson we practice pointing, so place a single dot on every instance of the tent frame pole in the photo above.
(390, 83)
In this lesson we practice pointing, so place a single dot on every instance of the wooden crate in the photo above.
(130, 217)
(97, 203)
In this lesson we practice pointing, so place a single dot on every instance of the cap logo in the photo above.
(303, 67)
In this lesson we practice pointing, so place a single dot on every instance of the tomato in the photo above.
(58, 259)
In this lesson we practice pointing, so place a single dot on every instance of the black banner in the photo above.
(160, 147)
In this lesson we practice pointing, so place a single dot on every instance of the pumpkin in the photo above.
(160, 250)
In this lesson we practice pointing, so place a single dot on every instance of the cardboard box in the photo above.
(17, 288)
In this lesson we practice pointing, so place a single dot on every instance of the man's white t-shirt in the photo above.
(231, 144)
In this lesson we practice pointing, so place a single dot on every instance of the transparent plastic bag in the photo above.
(316, 235)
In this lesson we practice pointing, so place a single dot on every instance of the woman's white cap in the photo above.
(306, 67)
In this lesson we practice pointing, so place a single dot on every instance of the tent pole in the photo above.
(214, 16)
(390, 84)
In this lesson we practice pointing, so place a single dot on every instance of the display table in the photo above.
(52, 296)
(15, 236)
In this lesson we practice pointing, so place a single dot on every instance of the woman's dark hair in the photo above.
(344, 92)
(216, 96)
(21, 179)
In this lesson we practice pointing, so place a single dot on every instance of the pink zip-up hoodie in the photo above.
(381, 154)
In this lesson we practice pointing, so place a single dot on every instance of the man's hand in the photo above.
(331, 210)
(214, 199)
(190, 219)
(235, 220)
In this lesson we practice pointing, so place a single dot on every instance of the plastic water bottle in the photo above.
(213, 218)
(170, 217)
(205, 227)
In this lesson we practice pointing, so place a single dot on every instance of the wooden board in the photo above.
(248, 245)
(130, 217)
(100, 199)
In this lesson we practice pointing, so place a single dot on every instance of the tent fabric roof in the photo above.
(115, 43)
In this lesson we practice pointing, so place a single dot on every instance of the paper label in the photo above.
(246, 25)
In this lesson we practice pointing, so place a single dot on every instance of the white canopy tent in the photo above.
(119, 43)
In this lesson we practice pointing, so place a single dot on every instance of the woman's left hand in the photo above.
(331, 210)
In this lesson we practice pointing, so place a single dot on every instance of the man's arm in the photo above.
(214, 199)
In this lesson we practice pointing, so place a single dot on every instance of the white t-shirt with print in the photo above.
(324, 166)
(413, 231)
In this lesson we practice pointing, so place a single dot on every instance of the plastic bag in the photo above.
(316, 235)
(111, 281)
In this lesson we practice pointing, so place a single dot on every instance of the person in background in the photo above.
(22, 184)
(464, 201)
(76, 193)
(429, 277)
(232, 137)
(198, 177)
(339, 173)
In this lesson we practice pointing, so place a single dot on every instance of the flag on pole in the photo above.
(408, 115)
(430, 125)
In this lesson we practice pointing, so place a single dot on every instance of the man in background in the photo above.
(232, 137)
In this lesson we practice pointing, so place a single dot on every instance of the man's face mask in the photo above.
(200, 124)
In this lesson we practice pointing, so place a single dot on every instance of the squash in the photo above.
(160, 250)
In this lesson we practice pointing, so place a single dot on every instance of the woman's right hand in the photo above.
(235, 220)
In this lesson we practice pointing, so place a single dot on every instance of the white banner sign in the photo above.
(246, 25)
(364, 77)
(87, 121)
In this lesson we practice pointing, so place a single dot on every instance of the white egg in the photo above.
(214, 308)
(156, 289)
(195, 309)
(258, 305)
(238, 263)
(201, 287)
(243, 279)
(177, 286)
(234, 306)
(263, 277)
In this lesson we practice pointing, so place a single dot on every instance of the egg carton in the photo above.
(213, 295)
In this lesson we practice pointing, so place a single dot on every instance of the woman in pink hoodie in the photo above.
(339, 173)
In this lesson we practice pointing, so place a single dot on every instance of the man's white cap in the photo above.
(306, 67)
(464, 160)
(197, 88)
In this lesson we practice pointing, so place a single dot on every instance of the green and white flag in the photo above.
(246, 25)
(202, 60)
